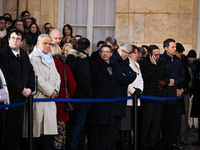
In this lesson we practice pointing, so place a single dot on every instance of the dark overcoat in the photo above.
(125, 76)
(18, 73)
(104, 86)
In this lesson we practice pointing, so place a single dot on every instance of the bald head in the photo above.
(56, 36)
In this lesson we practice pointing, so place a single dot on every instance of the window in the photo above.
(94, 19)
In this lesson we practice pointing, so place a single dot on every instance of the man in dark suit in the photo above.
(20, 79)
(103, 83)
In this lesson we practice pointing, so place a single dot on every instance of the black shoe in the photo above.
(176, 146)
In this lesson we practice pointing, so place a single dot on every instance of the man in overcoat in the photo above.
(44, 113)
(103, 83)
(20, 79)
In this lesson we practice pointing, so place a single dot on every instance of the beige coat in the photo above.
(137, 83)
(44, 113)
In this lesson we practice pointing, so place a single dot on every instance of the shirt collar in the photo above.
(15, 53)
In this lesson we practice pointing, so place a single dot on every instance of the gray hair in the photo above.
(128, 46)
(111, 41)
(43, 35)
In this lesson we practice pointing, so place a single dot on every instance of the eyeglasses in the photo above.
(26, 15)
(126, 53)
(19, 24)
(67, 29)
(14, 38)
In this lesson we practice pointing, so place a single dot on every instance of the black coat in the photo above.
(195, 111)
(175, 71)
(104, 86)
(18, 73)
(122, 81)
(30, 40)
(79, 66)
(151, 74)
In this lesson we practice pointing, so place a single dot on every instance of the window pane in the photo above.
(76, 12)
(104, 12)
(100, 34)
(80, 31)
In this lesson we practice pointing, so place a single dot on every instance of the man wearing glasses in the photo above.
(19, 75)
(25, 15)
(125, 76)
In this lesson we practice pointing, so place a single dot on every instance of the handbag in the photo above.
(2, 93)
(68, 107)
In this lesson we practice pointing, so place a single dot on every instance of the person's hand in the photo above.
(152, 59)
(137, 92)
(26, 92)
(124, 74)
(54, 94)
(179, 92)
(161, 83)
(171, 83)
(46, 96)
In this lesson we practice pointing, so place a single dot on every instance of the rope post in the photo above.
(135, 99)
(30, 121)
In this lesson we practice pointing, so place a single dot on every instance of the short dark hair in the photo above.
(46, 24)
(83, 43)
(167, 41)
(100, 42)
(105, 46)
(18, 32)
(8, 20)
(11, 28)
(69, 27)
(111, 40)
(179, 48)
(23, 13)
(142, 50)
(8, 15)
(2, 18)
(78, 36)
(152, 47)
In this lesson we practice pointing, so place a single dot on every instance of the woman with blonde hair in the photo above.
(65, 49)
(62, 116)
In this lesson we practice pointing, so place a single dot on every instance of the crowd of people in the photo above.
(64, 70)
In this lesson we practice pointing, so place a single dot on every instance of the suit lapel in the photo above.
(104, 67)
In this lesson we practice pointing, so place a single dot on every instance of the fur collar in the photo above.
(76, 53)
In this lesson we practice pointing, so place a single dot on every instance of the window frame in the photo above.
(90, 21)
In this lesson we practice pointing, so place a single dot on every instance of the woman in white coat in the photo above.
(136, 87)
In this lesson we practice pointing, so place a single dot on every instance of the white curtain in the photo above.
(76, 13)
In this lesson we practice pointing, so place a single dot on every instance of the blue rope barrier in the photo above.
(12, 105)
(90, 100)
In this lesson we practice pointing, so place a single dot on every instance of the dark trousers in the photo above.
(99, 134)
(176, 124)
(113, 134)
(45, 142)
(2, 128)
(167, 120)
(151, 116)
(13, 127)
(77, 118)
